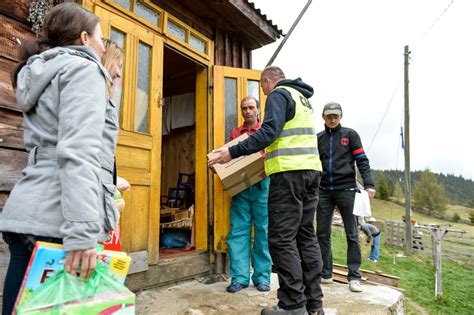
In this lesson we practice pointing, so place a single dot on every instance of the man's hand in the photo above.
(222, 156)
(371, 192)
(85, 258)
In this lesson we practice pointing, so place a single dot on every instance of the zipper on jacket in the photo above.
(330, 161)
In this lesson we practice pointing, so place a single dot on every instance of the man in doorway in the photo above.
(340, 149)
(249, 207)
(288, 135)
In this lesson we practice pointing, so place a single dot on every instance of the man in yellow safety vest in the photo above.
(288, 134)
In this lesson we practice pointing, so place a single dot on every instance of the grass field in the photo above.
(463, 212)
(385, 210)
(417, 272)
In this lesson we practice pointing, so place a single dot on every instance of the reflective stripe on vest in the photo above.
(296, 148)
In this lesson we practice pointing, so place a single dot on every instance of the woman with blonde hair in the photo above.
(66, 192)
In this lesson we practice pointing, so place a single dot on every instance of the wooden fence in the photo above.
(456, 245)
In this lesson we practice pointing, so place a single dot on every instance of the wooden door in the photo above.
(139, 144)
(231, 85)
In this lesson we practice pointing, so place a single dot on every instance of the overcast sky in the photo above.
(351, 52)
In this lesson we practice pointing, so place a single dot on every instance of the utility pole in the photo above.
(408, 228)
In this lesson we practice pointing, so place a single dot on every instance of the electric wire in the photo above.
(430, 28)
(383, 117)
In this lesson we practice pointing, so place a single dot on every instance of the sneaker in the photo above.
(319, 311)
(275, 310)
(373, 260)
(354, 286)
(263, 286)
(235, 287)
(326, 281)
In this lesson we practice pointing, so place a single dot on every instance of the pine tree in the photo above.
(398, 192)
(429, 193)
(382, 188)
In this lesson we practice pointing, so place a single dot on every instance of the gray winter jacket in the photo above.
(70, 132)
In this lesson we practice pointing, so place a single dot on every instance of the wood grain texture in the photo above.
(7, 94)
(12, 35)
(11, 171)
(178, 156)
(16, 9)
(168, 270)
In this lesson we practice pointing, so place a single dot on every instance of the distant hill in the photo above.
(459, 190)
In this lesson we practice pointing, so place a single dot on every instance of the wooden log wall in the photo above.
(229, 51)
(15, 30)
(178, 156)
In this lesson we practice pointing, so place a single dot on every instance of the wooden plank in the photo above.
(138, 158)
(228, 50)
(10, 172)
(12, 35)
(236, 57)
(169, 270)
(155, 130)
(219, 48)
(372, 276)
(7, 94)
(3, 199)
(11, 129)
(16, 9)
(135, 219)
(201, 188)
(11, 136)
(178, 156)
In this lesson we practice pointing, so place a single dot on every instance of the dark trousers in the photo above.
(294, 248)
(21, 247)
(344, 200)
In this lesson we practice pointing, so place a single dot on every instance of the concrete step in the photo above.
(196, 297)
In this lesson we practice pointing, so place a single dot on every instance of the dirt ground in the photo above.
(201, 296)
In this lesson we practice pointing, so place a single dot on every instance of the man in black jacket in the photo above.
(340, 149)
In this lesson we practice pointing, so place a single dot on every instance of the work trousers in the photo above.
(249, 208)
(344, 200)
(292, 239)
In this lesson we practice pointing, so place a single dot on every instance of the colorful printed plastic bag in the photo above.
(67, 294)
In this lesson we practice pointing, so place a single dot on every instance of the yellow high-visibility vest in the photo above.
(296, 148)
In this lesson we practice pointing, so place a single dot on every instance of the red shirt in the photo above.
(236, 132)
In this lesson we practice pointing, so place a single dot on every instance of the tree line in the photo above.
(430, 190)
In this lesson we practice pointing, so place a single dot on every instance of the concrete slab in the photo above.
(196, 297)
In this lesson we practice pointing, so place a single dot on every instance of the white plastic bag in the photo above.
(362, 204)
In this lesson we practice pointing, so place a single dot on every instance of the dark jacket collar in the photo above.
(328, 130)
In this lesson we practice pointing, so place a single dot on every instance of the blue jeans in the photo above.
(249, 208)
(375, 250)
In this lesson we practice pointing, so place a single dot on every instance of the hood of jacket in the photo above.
(305, 89)
(40, 69)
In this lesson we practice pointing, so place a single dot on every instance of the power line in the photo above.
(383, 117)
(437, 20)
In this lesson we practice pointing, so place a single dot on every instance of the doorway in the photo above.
(178, 154)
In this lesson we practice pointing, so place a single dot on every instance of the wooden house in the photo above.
(187, 65)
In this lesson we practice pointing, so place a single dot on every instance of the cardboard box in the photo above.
(242, 172)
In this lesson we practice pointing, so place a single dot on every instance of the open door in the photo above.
(139, 143)
(230, 86)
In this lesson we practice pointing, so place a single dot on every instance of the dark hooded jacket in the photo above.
(279, 108)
